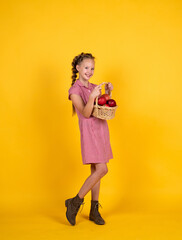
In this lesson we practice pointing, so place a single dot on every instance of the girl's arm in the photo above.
(85, 109)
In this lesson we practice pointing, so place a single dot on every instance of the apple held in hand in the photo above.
(111, 103)
(101, 100)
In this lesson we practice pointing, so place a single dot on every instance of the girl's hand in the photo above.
(108, 87)
(96, 92)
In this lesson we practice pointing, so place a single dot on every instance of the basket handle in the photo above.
(101, 86)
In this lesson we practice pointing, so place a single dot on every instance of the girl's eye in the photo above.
(92, 68)
(86, 67)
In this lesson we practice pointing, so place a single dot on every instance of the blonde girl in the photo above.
(95, 142)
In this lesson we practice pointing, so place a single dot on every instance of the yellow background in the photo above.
(137, 45)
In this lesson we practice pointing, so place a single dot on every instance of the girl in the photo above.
(95, 143)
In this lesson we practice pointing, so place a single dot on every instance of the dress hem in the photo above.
(97, 162)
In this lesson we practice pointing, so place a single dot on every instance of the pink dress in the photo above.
(94, 132)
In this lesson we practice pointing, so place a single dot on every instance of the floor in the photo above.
(50, 223)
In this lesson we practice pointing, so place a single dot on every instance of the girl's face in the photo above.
(86, 69)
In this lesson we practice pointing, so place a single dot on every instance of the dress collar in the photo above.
(81, 84)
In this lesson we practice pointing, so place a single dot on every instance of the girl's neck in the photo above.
(84, 82)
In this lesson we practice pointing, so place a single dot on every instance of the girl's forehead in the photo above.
(88, 62)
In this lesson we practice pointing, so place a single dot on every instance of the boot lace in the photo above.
(97, 205)
(75, 209)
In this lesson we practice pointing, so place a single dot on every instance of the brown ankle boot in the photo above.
(73, 205)
(94, 213)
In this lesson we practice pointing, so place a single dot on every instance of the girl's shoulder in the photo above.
(74, 86)
(75, 89)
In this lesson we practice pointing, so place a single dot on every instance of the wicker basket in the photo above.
(103, 112)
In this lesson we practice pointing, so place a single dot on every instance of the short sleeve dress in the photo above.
(94, 132)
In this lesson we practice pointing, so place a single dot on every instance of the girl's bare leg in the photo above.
(100, 171)
(96, 188)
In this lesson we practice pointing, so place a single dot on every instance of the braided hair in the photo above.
(76, 61)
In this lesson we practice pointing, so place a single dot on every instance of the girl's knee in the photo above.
(102, 170)
(105, 170)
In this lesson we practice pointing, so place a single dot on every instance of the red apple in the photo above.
(107, 97)
(111, 102)
(106, 105)
(101, 100)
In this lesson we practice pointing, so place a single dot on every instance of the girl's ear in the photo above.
(77, 67)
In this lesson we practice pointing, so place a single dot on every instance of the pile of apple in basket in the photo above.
(104, 107)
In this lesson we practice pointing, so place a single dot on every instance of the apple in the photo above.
(101, 100)
(106, 105)
(107, 97)
(111, 102)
